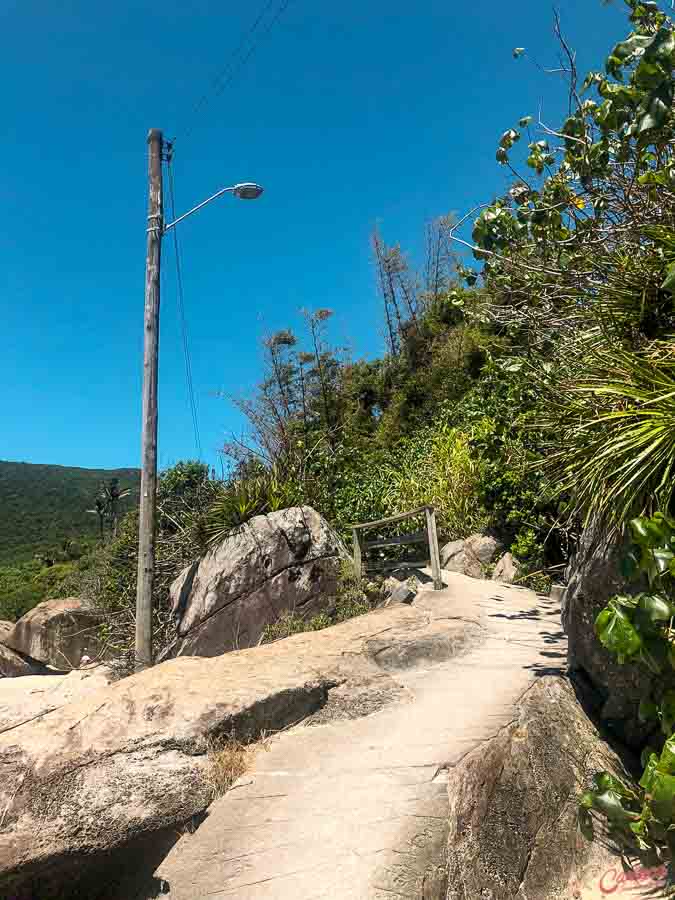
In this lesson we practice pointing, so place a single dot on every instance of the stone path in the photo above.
(358, 808)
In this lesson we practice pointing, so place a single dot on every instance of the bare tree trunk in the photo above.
(386, 291)
(316, 342)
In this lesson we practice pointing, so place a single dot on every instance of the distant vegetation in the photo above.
(44, 505)
(48, 525)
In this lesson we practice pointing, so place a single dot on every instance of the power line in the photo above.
(183, 320)
(224, 78)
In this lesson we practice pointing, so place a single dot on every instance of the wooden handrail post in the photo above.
(433, 548)
(357, 552)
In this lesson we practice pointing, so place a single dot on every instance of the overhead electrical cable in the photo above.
(182, 316)
(240, 56)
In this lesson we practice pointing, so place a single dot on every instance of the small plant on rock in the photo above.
(351, 601)
(227, 761)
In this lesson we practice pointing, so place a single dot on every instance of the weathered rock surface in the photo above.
(57, 632)
(403, 593)
(513, 805)
(28, 698)
(440, 766)
(283, 562)
(482, 547)
(357, 808)
(594, 576)
(13, 664)
(82, 785)
(469, 556)
(506, 569)
(452, 555)
(412, 578)
(5, 628)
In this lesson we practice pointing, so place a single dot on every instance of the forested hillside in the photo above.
(41, 505)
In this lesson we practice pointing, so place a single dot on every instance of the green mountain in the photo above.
(42, 505)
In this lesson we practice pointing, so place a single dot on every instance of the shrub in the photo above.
(252, 494)
(437, 468)
(25, 585)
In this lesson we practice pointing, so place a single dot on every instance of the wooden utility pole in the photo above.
(146, 523)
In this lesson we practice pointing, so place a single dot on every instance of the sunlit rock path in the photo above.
(358, 808)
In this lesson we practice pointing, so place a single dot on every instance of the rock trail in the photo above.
(358, 808)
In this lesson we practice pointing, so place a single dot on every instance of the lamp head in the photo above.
(247, 190)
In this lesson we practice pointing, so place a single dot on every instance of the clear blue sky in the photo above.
(348, 113)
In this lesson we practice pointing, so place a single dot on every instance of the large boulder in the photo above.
(514, 800)
(453, 556)
(5, 628)
(506, 569)
(469, 556)
(36, 695)
(13, 664)
(283, 562)
(593, 576)
(85, 785)
(57, 632)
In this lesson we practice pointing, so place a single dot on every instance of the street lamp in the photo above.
(156, 229)
(247, 190)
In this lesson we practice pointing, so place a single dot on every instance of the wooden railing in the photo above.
(426, 536)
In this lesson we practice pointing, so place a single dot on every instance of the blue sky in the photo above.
(349, 114)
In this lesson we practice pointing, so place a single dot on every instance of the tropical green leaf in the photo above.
(587, 799)
(617, 633)
(663, 559)
(666, 762)
(662, 792)
(630, 565)
(649, 770)
(646, 532)
(656, 108)
(653, 608)
(609, 804)
(605, 781)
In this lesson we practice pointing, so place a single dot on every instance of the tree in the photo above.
(106, 505)
(101, 510)
(579, 266)
(112, 494)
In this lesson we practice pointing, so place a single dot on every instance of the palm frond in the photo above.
(615, 435)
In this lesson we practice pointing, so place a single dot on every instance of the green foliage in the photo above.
(351, 599)
(24, 585)
(617, 427)
(51, 581)
(640, 628)
(437, 468)
(18, 591)
(292, 623)
(579, 262)
(44, 505)
(254, 493)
